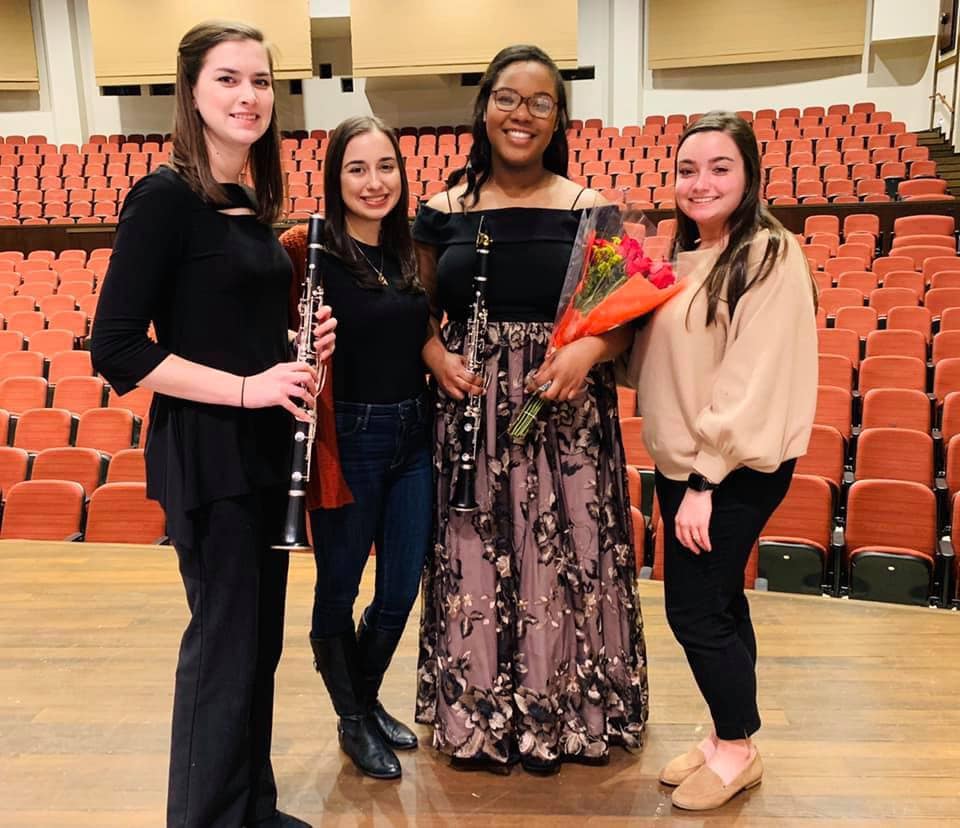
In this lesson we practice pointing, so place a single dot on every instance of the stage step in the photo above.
(942, 152)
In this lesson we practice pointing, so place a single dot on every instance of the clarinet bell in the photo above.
(464, 497)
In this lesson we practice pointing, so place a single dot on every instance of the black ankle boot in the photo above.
(336, 661)
(376, 650)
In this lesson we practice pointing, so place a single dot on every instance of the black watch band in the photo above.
(699, 483)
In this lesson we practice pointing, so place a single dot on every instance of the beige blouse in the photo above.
(740, 392)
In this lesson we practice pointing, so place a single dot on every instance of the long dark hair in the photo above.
(189, 155)
(747, 219)
(394, 229)
(477, 170)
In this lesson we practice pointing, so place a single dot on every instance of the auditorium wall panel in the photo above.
(440, 99)
(897, 75)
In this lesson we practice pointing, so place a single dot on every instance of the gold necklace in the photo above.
(381, 279)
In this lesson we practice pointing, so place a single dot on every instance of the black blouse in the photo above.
(380, 333)
(529, 253)
(215, 287)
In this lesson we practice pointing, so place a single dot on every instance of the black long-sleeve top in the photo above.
(380, 333)
(215, 287)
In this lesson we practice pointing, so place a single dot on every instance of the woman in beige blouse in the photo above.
(727, 377)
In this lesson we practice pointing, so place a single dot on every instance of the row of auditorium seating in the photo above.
(23, 162)
(862, 112)
(89, 467)
(59, 510)
(872, 531)
(877, 161)
(832, 398)
(70, 467)
(873, 511)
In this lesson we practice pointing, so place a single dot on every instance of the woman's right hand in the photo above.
(450, 372)
(284, 384)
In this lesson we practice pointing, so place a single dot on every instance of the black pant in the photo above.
(705, 603)
(220, 771)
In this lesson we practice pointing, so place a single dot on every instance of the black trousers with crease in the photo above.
(705, 603)
(220, 771)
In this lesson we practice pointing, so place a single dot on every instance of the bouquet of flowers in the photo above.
(610, 280)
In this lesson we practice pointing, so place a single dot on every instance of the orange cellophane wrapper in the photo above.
(632, 299)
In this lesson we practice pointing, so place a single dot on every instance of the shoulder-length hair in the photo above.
(477, 169)
(189, 156)
(750, 216)
(394, 229)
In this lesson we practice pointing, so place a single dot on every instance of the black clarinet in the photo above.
(294, 535)
(465, 489)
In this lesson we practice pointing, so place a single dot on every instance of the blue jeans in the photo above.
(386, 461)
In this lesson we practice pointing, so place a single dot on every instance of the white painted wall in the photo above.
(898, 75)
(897, 19)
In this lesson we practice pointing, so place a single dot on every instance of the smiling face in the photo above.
(711, 180)
(518, 138)
(234, 94)
(370, 180)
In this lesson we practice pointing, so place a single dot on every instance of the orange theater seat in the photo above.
(106, 429)
(42, 428)
(14, 465)
(85, 466)
(43, 510)
(795, 543)
(128, 466)
(825, 457)
(896, 408)
(17, 394)
(121, 513)
(892, 372)
(79, 394)
(834, 408)
(890, 539)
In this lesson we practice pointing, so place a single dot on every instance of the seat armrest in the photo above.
(943, 576)
(838, 544)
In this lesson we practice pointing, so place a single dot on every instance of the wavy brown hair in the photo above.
(477, 169)
(728, 278)
(394, 229)
(189, 155)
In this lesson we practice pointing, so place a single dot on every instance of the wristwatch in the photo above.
(699, 483)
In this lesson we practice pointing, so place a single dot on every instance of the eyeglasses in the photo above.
(540, 105)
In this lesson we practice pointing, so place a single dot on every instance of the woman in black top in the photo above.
(196, 256)
(382, 436)
(531, 644)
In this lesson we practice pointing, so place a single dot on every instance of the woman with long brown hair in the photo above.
(727, 378)
(196, 256)
(374, 486)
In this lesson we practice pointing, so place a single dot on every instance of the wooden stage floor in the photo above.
(861, 709)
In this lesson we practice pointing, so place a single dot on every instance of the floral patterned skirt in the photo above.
(531, 637)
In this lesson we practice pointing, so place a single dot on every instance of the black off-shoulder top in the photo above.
(530, 250)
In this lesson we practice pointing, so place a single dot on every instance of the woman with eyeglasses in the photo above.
(531, 637)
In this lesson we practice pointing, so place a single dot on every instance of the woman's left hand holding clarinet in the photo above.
(282, 384)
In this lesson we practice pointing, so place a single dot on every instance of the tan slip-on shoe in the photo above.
(680, 767)
(704, 790)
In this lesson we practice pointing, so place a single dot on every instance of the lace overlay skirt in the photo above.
(531, 636)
